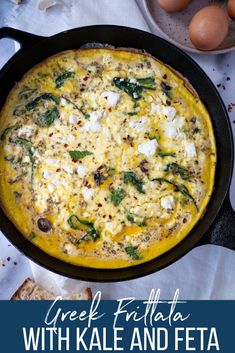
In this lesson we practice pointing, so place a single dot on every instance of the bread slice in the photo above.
(30, 290)
(17, 2)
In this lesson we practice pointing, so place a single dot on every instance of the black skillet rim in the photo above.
(115, 275)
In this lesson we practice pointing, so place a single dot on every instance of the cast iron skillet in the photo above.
(35, 49)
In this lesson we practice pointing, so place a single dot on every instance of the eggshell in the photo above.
(208, 27)
(173, 5)
(231, 9)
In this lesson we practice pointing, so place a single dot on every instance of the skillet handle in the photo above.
(222, 231)
(23, 38)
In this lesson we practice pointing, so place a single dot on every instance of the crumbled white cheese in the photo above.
(26, 131)
(69, 248)
(47, 174)
(87, 193)
(139, 125)
(51, 161)
(68, 169)
(71, 138)
(172, 128)
(73, 119)
(93, 124)
(168, 202)
(190, 149)
(111, 98)
(51, 188)
(169, 112)
(113, 227)
(26, 159)
(63, 102)
(107, 131)
(82, 170)
(133, 80)
(148, 148)
(178, 122)
(56, 182)
(169, 129)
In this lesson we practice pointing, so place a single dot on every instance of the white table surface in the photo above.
(15, 267)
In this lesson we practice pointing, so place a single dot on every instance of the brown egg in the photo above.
(231, 9)
(209, 27)
(173, 5)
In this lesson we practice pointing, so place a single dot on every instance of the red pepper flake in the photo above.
(110, 109)
(58, 170)
(230, 107)
(99, 204)
(86, 184)
(74, 160)
(51, 134)
(105, 97)
(85, 78)
(65, 145)
(82, 89)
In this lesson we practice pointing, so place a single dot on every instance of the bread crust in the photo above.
(30, 290)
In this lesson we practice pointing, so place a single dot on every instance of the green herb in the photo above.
(60, 80)
(76, 155)
(131, 178)
(27, 145)
(142, 224)
(134, 89)
(147, 82)
(8, 130)
(130, 113)
(132, 252)
(74, 223)
(48, 118)
(165, 154)
(81, 110)
(175, 168)
(153, 137)
(179, 187)
(43, 97)
(26, 92)
(131, 217)
(117, 196)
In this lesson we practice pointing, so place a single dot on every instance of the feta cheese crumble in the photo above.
(148, 148)
(190, 149)
(111, 98)
(168, 202)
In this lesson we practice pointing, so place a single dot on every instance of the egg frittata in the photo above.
(107, 157)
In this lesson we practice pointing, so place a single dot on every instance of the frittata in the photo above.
(107, 157)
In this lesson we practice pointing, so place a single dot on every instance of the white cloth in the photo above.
(206, 272)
